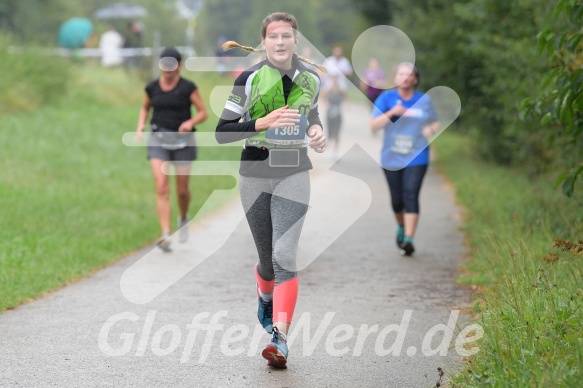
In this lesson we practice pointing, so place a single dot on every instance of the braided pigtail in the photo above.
(309, 62)
(232, 44)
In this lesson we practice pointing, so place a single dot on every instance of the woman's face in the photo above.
(169, 67)
(405, 77)
(373, 63)
(170, 75)
(280, 42)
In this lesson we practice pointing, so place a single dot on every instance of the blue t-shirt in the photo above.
(403, 142)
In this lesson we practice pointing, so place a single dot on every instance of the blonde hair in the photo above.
(270, 18)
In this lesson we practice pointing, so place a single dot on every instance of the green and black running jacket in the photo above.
(259, 90)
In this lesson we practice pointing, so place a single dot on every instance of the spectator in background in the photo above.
(110, 44)
(334, 87)
(307, 54)
(133, 41)
(333, 95)
(237, 71)
(375, 80)
(338, 64)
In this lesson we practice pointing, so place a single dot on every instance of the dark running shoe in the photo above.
(265, 314)
(407, 248)
(276, 351)
(399, 239)
(164, 243)
(183, 229)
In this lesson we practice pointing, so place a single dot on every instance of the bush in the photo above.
(30, 78)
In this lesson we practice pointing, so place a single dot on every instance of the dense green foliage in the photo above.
(486, 50)
(33, 21)
(30, 79)
(376, 11)
(560, 106)
(525, 261)
(317, 19)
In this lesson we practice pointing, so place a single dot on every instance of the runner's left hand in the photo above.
(317, 138)
(185, 127)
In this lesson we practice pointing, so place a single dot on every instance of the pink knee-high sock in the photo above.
(285, 296)
(265, 286)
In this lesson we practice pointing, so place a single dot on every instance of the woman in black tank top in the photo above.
(171, 97)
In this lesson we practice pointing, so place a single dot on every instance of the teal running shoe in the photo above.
(400, 236)
(276, 351)
(265, 314)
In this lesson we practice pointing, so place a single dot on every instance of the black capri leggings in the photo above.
(405, 185)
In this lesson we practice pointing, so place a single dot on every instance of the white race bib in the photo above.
(402, 144)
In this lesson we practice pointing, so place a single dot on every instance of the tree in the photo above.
(377, 12)
(483, 49)
(7, 11)
(241, 21)
(561, 105)
(220, 18)
(33, 21)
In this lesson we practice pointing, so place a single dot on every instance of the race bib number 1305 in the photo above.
(288, 135)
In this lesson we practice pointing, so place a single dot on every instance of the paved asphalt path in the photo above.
(103, 332)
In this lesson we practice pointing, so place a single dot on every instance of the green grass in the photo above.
(73, 197)
(530, 287)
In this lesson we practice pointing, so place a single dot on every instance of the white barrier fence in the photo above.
(97, 52)
(153, 52)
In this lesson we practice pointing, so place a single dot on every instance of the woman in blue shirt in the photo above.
(408, 119)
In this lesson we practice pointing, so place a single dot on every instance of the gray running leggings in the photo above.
(275, 210)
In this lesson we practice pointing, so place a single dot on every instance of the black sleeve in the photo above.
(229, 131)
(149, 89)
(190, 86)
(314, 118)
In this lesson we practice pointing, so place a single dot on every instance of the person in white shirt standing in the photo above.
(338, 64)
(110, 44)
(339, 68)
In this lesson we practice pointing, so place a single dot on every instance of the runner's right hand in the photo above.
(139, 136)
(282, 117)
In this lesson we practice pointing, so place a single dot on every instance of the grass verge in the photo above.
(526, 261)
(73, 197)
